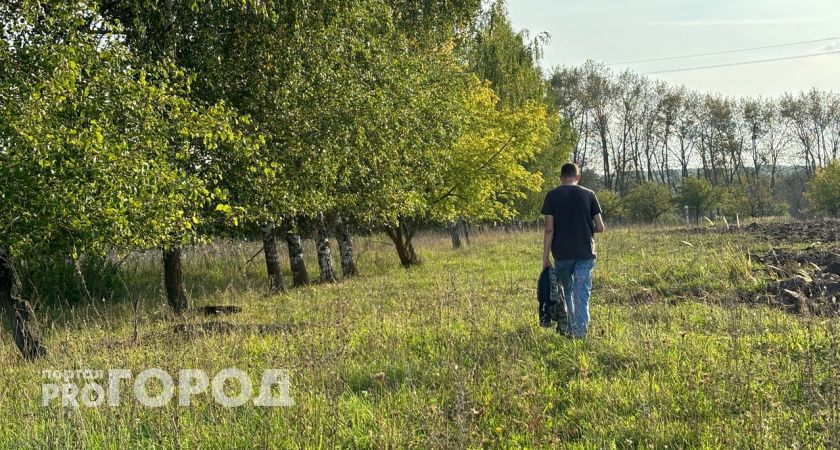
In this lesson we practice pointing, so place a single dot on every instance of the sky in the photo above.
(613, 31)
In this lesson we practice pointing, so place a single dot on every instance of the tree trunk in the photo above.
(401, 235)
(322, 243)
(272, 258)
(79, 278)
(465, 228)
(19, 313)
(455, 232)
(300, 277)
(173, 278)
(345, 248)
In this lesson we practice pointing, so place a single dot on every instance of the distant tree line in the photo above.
(760, 152)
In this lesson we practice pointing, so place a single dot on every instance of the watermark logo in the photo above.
(155, 387)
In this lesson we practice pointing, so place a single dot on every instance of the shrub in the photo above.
(734, 200)
(612, 206)
(648, 202)
(824, 190)
(698, 195)
(753, 198)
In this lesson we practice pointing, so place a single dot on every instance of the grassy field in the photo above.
(683, 352)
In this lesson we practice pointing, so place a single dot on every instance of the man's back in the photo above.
(572, 217)
(573, 208)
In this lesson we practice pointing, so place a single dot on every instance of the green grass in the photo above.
(674, 359)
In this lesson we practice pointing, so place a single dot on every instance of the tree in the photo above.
(85, 138)
(509, 60)
(686, 129)
(157, 32)
(612, 205)
(759, 197)
(698, 195)
(794, 111)
(824, 190)
(648, 202)
(458, 154)
(95, 146)
(793, 191)
(547, 163)
(19, 313)
(566, 93)
(268, 60)
(734, 200)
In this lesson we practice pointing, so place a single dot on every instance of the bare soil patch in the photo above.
(816, 231)
(823, 231)
(808, 280)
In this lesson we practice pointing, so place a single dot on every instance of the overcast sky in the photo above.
(625, 30)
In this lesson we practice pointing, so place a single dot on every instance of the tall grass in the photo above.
(448, 354)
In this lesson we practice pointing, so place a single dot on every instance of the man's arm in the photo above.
(599, 223)
(547, 238)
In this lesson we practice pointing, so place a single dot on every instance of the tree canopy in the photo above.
(98, 151)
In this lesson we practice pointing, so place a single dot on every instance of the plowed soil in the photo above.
(808, 280)
(814, 232)
(823, 231)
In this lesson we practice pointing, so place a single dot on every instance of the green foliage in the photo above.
(734, 200)
(492, 154)
(751, 198)
(612, 206)
(824, 190)
(192, 115)
(432, 22)
(698, 195)
(505, 57)
(461, 154)
(98, 152)
(548, 163)
(759, 197)
(359, 111)
(648, 202)
(510, 62)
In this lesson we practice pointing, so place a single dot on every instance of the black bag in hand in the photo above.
(548, 296)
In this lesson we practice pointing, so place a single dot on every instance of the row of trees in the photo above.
(696, 197)
(142, 124)
(632, 129)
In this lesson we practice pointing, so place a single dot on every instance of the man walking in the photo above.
(572, 217)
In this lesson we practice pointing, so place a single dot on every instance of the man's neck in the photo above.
(569, 183)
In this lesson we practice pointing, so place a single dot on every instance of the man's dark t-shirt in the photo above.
(573, 208)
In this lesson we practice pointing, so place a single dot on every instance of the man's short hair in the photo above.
(569, 170)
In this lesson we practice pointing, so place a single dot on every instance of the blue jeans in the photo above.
(575, 275)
